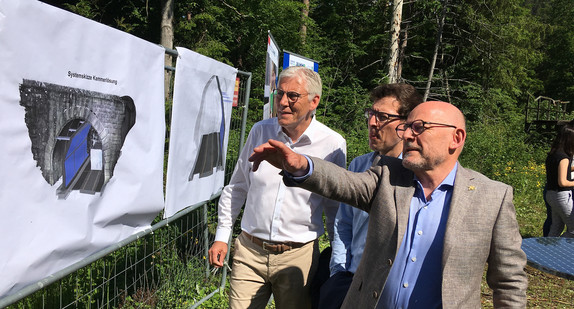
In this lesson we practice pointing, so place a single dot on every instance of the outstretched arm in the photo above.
(280, 156)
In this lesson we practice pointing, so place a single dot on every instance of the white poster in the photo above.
(202, 100)
(82, 131)
(271, 74)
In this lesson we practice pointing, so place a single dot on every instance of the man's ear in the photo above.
(458, 138)
(314, 103)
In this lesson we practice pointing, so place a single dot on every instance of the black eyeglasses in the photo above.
(381, 116)
(292, 96)
(418, 127)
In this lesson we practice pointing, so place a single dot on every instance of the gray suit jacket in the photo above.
(481, 229)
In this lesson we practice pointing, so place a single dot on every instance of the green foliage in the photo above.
(138, 17)
(502, 41)
(85, 8)
(350, 39)
(557, 69)
(198, 26)
(480, 105)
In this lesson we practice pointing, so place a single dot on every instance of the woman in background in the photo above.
(559, 184)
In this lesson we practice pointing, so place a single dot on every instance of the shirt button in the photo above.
(390, 262)
(406, 284)
(414, 259)
(420, 232)
(375, 294)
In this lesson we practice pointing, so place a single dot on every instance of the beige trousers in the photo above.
(256, 274)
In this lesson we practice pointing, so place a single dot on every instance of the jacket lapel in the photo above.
(462, 196)
(403, 196)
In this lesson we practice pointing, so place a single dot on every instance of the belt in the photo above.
(273, 246)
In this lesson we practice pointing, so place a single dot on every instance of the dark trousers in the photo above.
(334, 290)
(321, 276)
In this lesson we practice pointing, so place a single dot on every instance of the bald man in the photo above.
(433, 225)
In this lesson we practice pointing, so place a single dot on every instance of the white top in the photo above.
(272, 210)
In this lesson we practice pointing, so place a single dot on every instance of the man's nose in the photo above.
(408, 134)
(284, 100)
(372, 121)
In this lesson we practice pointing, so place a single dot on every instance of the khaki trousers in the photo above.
(256, 274)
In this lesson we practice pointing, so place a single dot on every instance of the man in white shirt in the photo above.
(391, 105)
(277, 251)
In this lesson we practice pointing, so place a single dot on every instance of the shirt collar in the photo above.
(305, 138)
(449, 180)
(446, 184)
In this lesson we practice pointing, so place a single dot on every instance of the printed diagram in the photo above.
(210, 153)
(76, 134)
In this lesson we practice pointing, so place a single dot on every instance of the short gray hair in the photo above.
(314, 85)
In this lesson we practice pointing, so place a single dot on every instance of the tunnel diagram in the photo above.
(76, 134)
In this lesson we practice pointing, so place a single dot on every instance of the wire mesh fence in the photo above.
(165, 266)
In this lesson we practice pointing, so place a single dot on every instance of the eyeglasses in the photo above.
(381, 116)
(292, 96)
(418, 127)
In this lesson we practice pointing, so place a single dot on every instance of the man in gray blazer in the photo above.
(433, 225)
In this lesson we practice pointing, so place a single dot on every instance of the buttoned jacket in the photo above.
(481, 229)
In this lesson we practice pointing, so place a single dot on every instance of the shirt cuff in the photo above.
(300, 179)
(222, 234)
(335, 269)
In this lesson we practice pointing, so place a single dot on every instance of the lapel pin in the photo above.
(471, 188)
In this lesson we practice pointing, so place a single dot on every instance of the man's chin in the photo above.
(416, 165)
(409, 162)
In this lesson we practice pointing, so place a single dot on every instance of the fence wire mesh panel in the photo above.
(164, 267)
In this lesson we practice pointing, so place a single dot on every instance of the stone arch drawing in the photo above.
(57, 115)
(210, 153)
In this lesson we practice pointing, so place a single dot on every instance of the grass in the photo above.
(544, 291)
(548, 291)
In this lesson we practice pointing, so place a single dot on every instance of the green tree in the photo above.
(557, 69)
(141, 18)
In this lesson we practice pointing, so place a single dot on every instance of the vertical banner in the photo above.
(291, 59)
(236, 92)
(271, 73)
(82, 130)
(202, 100)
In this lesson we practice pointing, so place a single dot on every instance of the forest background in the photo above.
(487, 57)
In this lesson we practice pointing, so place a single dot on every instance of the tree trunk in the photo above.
(393, 64)
(438, 43)
(445, 83)
(167, 41)
(402, 54)
(304, 17)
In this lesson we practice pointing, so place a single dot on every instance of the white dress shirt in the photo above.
(273, 211)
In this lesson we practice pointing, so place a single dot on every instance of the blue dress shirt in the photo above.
(350, 227)
(415, 278)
